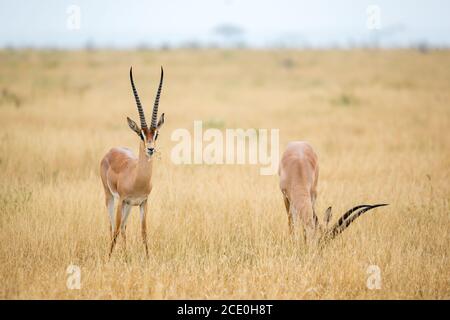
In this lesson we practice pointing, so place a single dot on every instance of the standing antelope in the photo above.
(299, 174)
(128, 178)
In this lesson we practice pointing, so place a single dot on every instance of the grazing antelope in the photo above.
(299, 174)
(127, 178)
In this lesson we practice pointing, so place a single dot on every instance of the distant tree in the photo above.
(422, 47)
(230, 35)
(89, 45)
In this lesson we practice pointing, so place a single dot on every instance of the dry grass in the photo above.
(378, 120)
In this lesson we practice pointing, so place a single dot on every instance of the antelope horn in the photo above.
(349, 212)
(138, 102)
(155, 106)
(347, 219)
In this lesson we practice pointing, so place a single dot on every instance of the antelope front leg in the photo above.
(143, 209)
(110, 207)
(288, 211)
(123, 224)
(117, 226)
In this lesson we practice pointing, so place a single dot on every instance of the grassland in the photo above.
(379, 121)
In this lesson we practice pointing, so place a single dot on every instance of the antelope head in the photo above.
(146, 134)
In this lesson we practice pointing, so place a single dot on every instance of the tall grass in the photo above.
(378, 120)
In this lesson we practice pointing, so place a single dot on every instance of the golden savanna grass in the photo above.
(379, 121)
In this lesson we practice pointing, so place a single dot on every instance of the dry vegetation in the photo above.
(378, 120)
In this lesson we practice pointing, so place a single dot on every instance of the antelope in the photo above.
(126, 178)
(299, 175)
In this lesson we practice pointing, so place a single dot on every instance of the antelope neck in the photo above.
(144, 167)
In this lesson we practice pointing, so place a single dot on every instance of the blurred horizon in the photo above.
(223, 24)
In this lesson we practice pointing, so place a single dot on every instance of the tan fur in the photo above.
(299, 174)
(130, 178)
(126, 174)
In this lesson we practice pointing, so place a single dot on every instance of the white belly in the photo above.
(135, 201)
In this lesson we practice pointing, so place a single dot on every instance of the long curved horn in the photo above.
(138, 102)
(155, 106)
(349, 212)
(344, 222)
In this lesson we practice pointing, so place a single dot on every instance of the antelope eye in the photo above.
(156, 135)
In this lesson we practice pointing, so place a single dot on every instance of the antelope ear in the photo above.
(133, 126)
(160, 122)
(327, 217)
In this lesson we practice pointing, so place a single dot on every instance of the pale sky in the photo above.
(127, 24)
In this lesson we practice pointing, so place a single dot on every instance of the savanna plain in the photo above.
(378, 120)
